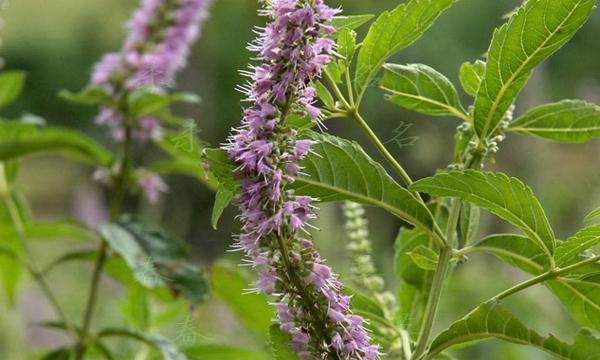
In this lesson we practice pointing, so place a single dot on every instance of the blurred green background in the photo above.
(57, 42)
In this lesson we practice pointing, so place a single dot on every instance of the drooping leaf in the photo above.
(324, 95)
(280, 344)
(569, 250)
(532, 34)
(135, 307)
(339, 169)
(91, 95)
(11, 86)
(230, 284)
(471, 75)
(570, 121)
(391, 32)
(221, 352)
(491, 320)
(506, 197)
(56, 139)
(421, 88)
(517, 250)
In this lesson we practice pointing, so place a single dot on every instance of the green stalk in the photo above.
(30, 264)
(115, 210)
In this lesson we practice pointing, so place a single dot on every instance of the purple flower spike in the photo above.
(310, 305)
(160, 35)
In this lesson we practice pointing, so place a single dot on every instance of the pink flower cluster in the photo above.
(310, 304)
(160, 35)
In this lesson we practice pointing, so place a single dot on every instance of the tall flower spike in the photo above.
(310, 305)
(160, 35)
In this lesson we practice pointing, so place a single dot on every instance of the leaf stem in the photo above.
(30, 264)
(115, 210)
(336, 89)
(548, 275)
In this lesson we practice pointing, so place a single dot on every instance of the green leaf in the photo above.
(393, 31)
(147, 101)
(91, 95)
(168, 350)
(59, 354)
(324, 95)
(190, 282)
(56, 139)
(569, 250)
(222, 168)
(421, 88)
(537, 30)
(471, 76)
(569, 121)
(469, 222)
(424, 257)
(506, 197)
(517, 250)
(347, 44)
(581, 297)
(280, 344)
(59, 229)
(11, 86)
(592, 215)
(339, 170)
(363, 304)
(230, 284)
(223, 198)
(77, 255)
(135, 307)
(352, 22)
(221, 352)
(490, 320)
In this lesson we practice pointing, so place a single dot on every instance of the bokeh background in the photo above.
(57, 42)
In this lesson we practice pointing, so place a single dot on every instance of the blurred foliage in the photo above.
(57, 43)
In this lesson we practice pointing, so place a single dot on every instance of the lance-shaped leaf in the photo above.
(570, 121)
(69, 142)
(592, 215)
(339, 170)
(393, 31)
(11, 85)
(569, 250)
(581, 297)
(349, 22)
(533, 33)
(507, 197)
(420, 88)
(471, 76)
(490, 320)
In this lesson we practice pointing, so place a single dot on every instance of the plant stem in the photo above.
(336, 89)
(353, 113)
(433, 302)
(31, 266)
(115, 210)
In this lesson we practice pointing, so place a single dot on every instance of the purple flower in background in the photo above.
(152, 186)
(160, 35)
(310, 304)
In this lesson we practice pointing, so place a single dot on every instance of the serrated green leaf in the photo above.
(190, 282)
(537, 30)
(506, 197)
(221, 352)
(569, 121)
(324, 95)
(56, 139)
(592, 215)
(490, 320)
(11, 86)
(147, 101)
(339, 169)
(471, 76)
(569, 250)
(347, 45)
(222, 168)
(393, 31)
(91, 95)
(424, 257)
(406, 241)
(280, 344)
(517, 250)
(581, 297)
(421, 88)
(230, 284)
(351, 22)
(363, 303)
(223, 198)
